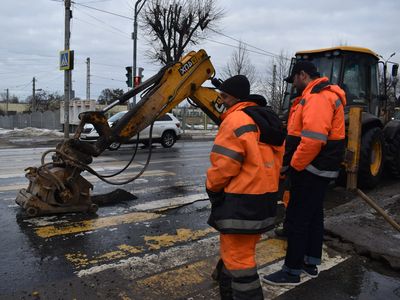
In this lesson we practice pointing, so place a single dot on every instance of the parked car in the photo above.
(166, 130)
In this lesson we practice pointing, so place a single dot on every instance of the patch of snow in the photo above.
(29, 132)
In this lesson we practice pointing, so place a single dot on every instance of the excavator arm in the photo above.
(58, 186)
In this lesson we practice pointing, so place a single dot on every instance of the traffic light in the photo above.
(138, 79)
(128, 76)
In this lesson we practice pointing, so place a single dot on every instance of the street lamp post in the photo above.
(134, 38)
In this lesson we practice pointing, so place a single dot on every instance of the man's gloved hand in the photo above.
(215, 197)
(286, 184)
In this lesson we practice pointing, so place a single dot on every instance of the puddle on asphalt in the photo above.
(378, 286)
(372, 280)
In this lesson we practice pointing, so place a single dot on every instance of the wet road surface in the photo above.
(157, 246)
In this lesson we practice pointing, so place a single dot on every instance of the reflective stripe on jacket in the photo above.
(247, 171)
(316, 130)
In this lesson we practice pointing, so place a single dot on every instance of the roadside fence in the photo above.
(190, 118)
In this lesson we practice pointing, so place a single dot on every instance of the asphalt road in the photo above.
(157, 246)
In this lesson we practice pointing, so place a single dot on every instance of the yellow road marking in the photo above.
(182, 235)
(186, 279)
(88, 225)
(81, 260)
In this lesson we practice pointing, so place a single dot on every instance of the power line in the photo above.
(107, 65)
(97, 1)
(104, 11)
(83, 21)
(235, 46)
(247, 44)
(13, 59)
(19, 85)
(103, 23)
(106, 78)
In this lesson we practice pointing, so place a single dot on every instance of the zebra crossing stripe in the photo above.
(329, 260)
(194, 280)
(90, 178)
(196, 277)
(90, 225)
(82, 260)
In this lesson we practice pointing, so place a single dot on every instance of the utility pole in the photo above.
(67, 73)
(134, 38)
(33, 94)
(7, 100)
(34, 99)
(273, 84)
(88, 78)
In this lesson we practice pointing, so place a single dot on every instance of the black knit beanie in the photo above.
(237, 86)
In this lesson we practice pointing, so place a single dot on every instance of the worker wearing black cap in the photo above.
(314, 150)
(241, 183)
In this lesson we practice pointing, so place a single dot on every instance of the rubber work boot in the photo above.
(247, 288)
(225, 286)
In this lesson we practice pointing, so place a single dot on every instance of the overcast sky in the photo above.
(32, 34)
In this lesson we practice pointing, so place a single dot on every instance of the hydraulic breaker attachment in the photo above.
(56, 187)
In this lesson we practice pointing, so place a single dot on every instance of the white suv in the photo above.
(166, 130)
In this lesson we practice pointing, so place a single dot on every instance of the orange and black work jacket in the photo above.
(316, 130)
(246, 172)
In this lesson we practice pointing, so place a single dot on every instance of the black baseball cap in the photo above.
(303, 65)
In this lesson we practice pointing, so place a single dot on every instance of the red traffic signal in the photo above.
(137, 81)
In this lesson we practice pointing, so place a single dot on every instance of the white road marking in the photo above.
(90, 178)
(153, 263)
(155, 205)
(17, 170)
(169, 203)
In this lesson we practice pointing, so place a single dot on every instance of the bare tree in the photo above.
(108, 96)
(240, 64)
(45, 101)
(273, 85)
(11, 98)
(173, 25)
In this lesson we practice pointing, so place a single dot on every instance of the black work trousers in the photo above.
(305, 220)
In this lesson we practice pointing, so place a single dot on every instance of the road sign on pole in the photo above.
(67, 60)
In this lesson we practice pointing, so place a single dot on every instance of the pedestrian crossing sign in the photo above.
(67, 60)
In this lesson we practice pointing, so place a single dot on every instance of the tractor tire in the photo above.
(372, 155)
(393, 156)
(168, 139)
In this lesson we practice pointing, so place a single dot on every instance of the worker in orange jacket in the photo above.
(242, 181)
(314, 150)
